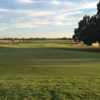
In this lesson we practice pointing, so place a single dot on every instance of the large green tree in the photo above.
(88, 29)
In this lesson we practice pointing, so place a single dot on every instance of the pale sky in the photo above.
(42, 18)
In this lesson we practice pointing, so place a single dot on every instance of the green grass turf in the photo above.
(44, 62)
(49, 73)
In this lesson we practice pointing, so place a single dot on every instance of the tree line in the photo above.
(88, 29)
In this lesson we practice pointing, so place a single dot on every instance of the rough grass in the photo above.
(40, 71)
(41, 44)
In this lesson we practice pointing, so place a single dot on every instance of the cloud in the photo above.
(25, 25)
(89, 5)
(40, 13)
(25, 1)
(4, 10)
(32, 23)
(55, 2)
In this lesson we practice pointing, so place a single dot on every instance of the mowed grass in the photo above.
(40, 71)
(44, 62)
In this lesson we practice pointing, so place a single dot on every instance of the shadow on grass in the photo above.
(87, 49)
(81, 49)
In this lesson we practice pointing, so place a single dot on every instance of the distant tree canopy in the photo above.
(88, 29)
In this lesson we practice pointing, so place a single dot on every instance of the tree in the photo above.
(98, 8)
(88, 29)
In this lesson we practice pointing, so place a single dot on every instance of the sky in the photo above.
(42, 18)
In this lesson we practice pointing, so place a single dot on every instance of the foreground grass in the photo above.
(73, 89)
(49, 73)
